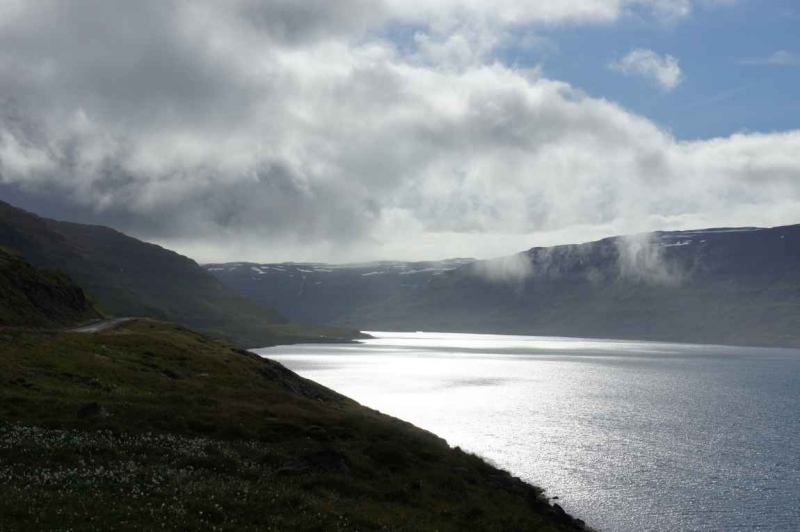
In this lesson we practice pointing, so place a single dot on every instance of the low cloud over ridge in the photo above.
(275, 131)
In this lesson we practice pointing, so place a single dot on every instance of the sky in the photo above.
(353, 130)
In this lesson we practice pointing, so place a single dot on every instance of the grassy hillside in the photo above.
(34, 297)
(154, 426)
(134, 278)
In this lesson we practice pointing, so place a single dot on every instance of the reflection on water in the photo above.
(630, 435)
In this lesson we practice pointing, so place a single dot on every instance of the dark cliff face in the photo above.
(738, 286)
(32, 297)
(133, 278)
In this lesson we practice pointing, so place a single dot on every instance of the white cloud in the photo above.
(257, 130)
(663, 70)
(779, 58)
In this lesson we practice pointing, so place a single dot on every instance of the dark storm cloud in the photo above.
(298, 23)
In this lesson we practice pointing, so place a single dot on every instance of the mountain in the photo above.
(133, 278)
(727, 285)
(34, 297)
(324, 293)
(124, 417)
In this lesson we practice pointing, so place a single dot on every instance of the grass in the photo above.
(153, 426)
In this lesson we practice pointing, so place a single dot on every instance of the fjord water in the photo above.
(631, 436)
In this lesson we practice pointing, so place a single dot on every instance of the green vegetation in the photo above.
(151, 425)
(133, 278)
(33, 297)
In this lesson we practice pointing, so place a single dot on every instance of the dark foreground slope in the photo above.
(133, 278)
(737, 286)
(33, 297)
(152, 426)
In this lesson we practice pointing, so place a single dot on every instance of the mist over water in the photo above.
(629, 435)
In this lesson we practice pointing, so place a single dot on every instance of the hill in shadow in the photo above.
(134, 278)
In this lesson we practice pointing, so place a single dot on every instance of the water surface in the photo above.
(631, 436)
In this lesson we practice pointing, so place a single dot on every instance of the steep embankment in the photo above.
(737, 286)
(133, 278)
(153, 426)
(33, 297)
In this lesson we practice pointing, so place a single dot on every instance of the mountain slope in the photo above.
(134, 278)
(737, 286)
(152, 426)
(321, 293)
(33, 297)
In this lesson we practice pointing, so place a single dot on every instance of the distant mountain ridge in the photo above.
(722, 285)
(327, 293)
(134, 278)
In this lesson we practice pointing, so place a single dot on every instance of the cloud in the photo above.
(511, 269)
(779, 58)
(272, 131)
(521, 12)
(664, 71)
(641, 258)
